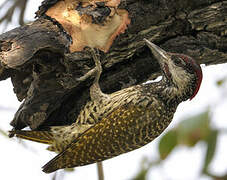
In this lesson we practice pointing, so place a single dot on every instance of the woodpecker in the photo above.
(113, 124)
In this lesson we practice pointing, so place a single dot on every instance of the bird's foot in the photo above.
(95, 92)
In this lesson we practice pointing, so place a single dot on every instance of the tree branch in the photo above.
(44, 73)
(100, 171)
(21, 4)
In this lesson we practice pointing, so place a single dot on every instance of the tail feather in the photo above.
(45, 137)
(51, 166)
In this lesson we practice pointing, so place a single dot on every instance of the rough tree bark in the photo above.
(44, 73)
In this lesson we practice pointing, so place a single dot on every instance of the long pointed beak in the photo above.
(161, 55)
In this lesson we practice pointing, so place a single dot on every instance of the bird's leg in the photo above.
(95, 91)
(87, 75)
(96, 70)
(98, 66)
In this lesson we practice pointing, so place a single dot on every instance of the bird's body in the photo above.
(131, 103)
(113, 124)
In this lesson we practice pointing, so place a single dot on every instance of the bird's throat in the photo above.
(167, 72)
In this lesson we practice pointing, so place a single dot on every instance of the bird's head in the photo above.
(179, 69)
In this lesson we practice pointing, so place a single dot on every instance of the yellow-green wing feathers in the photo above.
(112, 136)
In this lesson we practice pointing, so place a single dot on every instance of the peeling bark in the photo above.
(44, 73)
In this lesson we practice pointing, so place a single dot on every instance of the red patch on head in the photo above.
(197, 70)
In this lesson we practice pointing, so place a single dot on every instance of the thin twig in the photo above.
(100, 171)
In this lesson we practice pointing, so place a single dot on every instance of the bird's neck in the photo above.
(175, 93)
